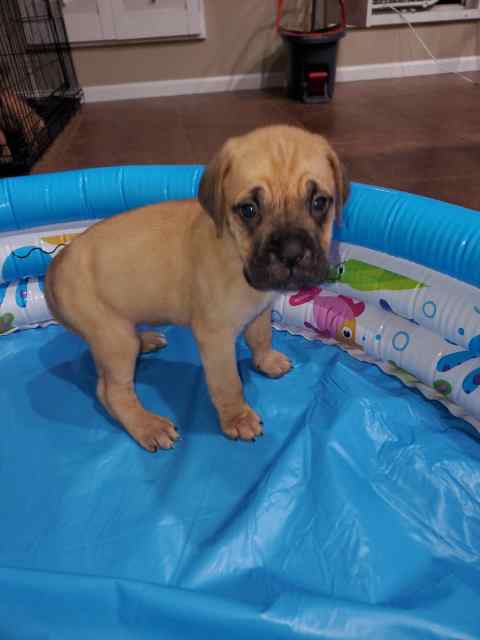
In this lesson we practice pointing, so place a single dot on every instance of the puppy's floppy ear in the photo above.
(342, 182)
(211, 192)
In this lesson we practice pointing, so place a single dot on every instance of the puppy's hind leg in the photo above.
(151, 341)
(115, 349)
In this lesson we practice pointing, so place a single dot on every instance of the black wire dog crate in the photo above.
(39, 90)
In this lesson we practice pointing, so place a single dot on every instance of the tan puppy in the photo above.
(263, 223)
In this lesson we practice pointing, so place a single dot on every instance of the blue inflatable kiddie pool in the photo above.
(356, 517)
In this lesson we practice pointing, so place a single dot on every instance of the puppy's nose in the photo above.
(290, 251)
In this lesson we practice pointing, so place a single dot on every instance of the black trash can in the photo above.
(312, 61)
(312, 65)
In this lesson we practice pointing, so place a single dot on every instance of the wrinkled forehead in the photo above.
(281, 170)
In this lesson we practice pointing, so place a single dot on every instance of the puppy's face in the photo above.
(277, 191)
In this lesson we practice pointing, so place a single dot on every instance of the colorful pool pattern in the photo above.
(424, 324)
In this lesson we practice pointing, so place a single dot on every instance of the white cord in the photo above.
(427, 49)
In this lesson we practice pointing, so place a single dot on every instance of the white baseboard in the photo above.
(188, 86)
(132, 91)
(407, 69)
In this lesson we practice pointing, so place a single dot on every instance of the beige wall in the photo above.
(241, 39)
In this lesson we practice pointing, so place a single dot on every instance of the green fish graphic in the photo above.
(366, 277)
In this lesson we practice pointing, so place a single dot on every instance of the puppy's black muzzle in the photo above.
(290, 249)
(288, 260)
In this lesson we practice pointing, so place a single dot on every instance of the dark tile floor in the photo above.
(417, 134)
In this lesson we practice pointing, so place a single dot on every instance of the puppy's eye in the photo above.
(347, 333)
(248, 210)
(320, 205)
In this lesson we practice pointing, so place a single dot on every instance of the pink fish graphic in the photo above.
(334, 316)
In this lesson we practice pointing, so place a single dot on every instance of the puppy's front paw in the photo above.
(155, 432)
(273, 364)
(244, 426)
